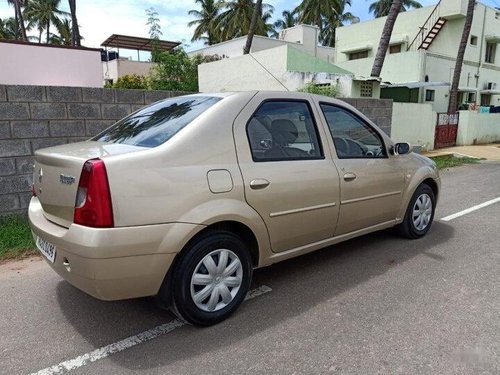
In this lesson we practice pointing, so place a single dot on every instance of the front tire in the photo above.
(211, 278)
(419, 214)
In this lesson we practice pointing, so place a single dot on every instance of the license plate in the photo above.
(46, 248)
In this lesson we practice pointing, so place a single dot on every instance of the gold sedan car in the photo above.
(184, 198)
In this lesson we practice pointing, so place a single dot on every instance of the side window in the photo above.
(283, 130)
(353, 138)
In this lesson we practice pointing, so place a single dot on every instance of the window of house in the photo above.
(470, 97)
(395, 48)
(490, 53)
(366, 90)
(358, 55)
(352, 137)
(485, 99)
(429, 95)
(473, 40)
(283, 130)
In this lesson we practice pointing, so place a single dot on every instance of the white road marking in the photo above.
(471, 209)
(129, 342)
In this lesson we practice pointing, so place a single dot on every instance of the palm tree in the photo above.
(75, 29)
(21, 28)
(65, 33)
(385, 37)
(42, 14)
(327, 35)
(326, 14)
(380, 8)
(453, 103)
(236, 16)
(205, 29)
(253, 25)
(289, 20)
(8, 28)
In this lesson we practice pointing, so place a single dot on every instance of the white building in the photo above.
(421, 58)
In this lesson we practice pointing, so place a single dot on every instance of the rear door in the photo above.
(288, 179)
(371, 181)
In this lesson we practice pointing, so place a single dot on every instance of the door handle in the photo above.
(259, 183)
(349, 176)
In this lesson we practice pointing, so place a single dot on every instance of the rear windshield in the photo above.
(156, 124)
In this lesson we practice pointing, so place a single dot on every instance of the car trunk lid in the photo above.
(57, 173)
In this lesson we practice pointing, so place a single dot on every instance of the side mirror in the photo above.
(402, 148)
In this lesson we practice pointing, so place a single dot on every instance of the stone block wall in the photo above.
(34, 117)
(377, 110)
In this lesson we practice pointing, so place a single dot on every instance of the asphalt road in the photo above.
(376, 304)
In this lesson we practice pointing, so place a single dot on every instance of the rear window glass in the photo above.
(156, 124)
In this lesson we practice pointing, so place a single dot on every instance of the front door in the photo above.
(288, 180)
(371, 181)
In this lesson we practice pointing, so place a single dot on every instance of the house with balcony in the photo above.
(421, 58)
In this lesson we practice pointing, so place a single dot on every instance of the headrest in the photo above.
(284, 132)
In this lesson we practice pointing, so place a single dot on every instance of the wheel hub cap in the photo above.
(216, 280)
(422, 212)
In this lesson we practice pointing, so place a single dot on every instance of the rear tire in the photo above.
(211, 279)
(419, 214)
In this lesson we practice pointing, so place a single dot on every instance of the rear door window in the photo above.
(283, 130)
(156, 124)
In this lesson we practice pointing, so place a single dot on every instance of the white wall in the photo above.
(263, 70)
(32, 64)
(414, 123)
(120, 67)
(478, 128)
(243, 73)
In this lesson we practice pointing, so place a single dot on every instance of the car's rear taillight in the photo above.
(93, 199)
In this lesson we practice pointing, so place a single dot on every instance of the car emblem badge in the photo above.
(65, 179)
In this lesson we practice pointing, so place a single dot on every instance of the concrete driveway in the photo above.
(376, 304)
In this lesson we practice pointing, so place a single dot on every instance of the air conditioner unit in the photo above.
(490, 86)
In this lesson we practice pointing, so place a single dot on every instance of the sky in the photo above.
(99, 19)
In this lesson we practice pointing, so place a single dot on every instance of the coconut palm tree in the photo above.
(21, 28)
(380, 8)
(236, 16)
(8, 28)
(385, 37)
(453, 103)
(64, 33)
(326, 14)
(289, 20)
(75, 29)
(257, 10)
(42, 14)
(205, 27)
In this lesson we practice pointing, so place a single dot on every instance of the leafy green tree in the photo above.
(154, 32)
(206, 29)
(176, 71)
(381, 8)
(236, 16)
(42, 14)
(313, 88)
(131, 81)
(326, 14)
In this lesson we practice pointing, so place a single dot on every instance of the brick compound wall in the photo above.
(34, 117)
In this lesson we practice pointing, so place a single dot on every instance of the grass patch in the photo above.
(15, 238)
(449, 161)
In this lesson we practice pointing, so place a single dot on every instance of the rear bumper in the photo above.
(112, 263)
